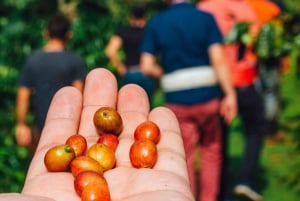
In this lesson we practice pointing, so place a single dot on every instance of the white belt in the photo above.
(189, 78)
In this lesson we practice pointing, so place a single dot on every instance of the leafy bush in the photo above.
(14, 159)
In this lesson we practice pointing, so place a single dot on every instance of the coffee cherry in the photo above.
(143, 154)
(85, 163)
(147, 130)
(103, 154)
(108, 120)
(58, 158)
(78, 143)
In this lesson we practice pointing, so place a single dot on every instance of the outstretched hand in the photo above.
(71, 112)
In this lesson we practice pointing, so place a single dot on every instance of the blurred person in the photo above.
(44, 72)
(128, 39)
(194, 76)
(244, 74)
(72, 112)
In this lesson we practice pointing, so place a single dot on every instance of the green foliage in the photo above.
(276, 154)
(14, 160)
(269, 41)
(239, 33)
(14, 163)
(278, 37)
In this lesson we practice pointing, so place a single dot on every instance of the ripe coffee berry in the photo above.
(143, 154)
(85, 163)
(103, 154)
(58, 158)
(108, 120)
(86, 178)
(78, 143)
(109, 140)
(147, 130)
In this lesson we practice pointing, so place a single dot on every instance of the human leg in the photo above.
(251, 110)
(209, 125)
(225, 178)
(195, 121)
(190, 140)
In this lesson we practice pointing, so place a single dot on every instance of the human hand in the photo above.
(70, 112)
(23, 134)
(229, 107)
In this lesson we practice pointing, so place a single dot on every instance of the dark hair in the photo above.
(138, 10)
(58, 26)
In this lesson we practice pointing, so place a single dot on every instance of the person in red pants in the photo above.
(182, 46)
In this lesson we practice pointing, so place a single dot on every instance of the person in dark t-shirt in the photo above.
(128, 39)
(43, 74)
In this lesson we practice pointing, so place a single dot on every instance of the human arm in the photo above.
(112, 52)
(148, 48)
(220, 65)
(23, 132)
(72, 112)
(149, 66)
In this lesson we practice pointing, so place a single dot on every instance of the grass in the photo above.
(277, 165)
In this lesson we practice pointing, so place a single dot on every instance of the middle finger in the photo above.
(100, 90)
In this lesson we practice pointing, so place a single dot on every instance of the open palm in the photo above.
(70, 113)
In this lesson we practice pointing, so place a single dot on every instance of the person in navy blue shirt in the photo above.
(195, 78)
